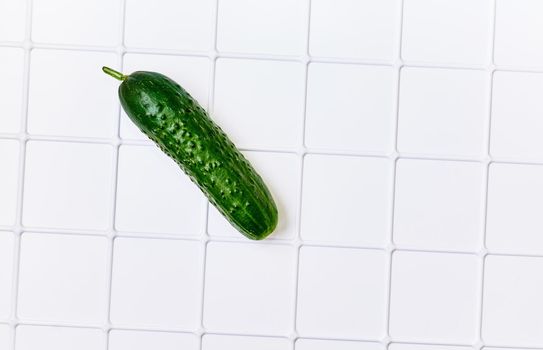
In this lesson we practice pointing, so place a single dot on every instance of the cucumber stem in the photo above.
(117, 75)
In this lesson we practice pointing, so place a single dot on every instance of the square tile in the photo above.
(190, 72)
(357, 29)
(512, 304)
(448, 31)
(515, 203)
(52, 18)
(426, 347)
(58, 338)
(156, 282)
(350, 107)
(62, 278)
(518, 27)
(154, 195)
(314, 344)
(67, 185)
(442, 111)
(11, 87)
(221, 342)
(439, 205)
(12, 20)
(249, 288)
(341, 293)
(170, 24)
(9, 179)
(354, 210)
(434, 297)
(6, 273)
(138, 340)
(259, 103)
(280, 172)
(272, 27)
(5, 336)
(516, 123)
(52, 73)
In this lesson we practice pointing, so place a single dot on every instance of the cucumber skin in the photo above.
(182, 129)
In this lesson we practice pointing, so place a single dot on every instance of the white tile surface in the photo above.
(350, 28)
(312, 344)
(192, 73)
(516, 116)
(350, 107)
(449, 31)
(12, 20)
(5, 336)
(139, 340)
(355, 210)
(442, 111)
(56, 75)
(9, 160)
(341, 293)
(259, 103)
(156, 283)
(62, 278)
(512, 301)
(57, 338)
(11, 87)
(518, 24)
(274, 27)
(515, 201)
(6, 273)
(249, 288)
(439, 204)
(425, 347)
(220, 342)
(280, 172)
(154, 195)
(169, 24)
(67, 185)
(434, 297)
(70, 22)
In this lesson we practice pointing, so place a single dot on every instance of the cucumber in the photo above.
(170, 117)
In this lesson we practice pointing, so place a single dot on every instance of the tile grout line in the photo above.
(297, 240)
(111, 236)
(212, 55)
(135, 328)
(287, 58)
(483, 253)
(390, 249)
(316, 151)
(23, 136)
(274, 241)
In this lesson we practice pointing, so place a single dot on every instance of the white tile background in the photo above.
(401, 139)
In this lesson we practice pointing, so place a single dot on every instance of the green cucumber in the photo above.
(170, 117)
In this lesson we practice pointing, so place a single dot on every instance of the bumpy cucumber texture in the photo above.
(170, 117)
